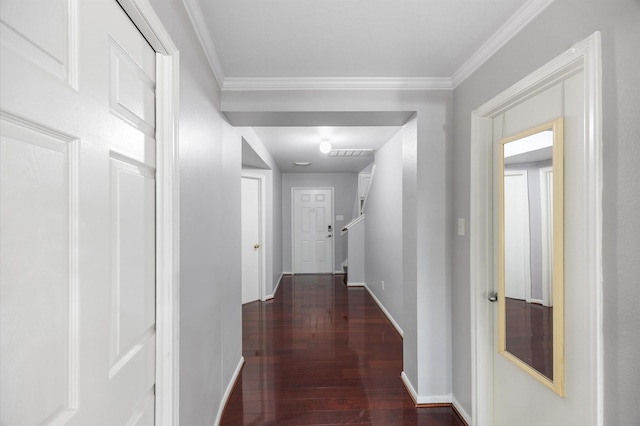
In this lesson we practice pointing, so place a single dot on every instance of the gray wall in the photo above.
(562, 24)
(210, 299)
(383, 227)
(345, 190)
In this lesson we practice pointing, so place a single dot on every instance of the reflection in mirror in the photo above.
(530, 308)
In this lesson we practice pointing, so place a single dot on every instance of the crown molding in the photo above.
(506, 32)
(329, 83)
(206, 41)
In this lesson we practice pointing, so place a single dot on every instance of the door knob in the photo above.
(493, 296)
(329, 235)
(256, 246)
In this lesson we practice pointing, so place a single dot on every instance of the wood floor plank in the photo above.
(320, 353)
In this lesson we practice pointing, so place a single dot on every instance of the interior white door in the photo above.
(312, 230)
(517, 397)
(516, 244)
(77, 193)
(251, 239)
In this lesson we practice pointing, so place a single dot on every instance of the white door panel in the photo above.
(38, 287)
(41, 34)
(77, 167)
(313, 230)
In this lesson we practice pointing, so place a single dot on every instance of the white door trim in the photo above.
(584, 56)
(546, 214)
(167, 209)
(293, 226)
(262, 232)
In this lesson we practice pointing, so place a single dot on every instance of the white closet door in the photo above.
(77, 194)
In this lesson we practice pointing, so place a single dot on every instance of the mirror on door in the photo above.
(531, 253)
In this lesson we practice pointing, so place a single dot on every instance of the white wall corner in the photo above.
(506, 32)
(273, 294)
(206, 41)
(420, 399)
(228, 390)
(458, 407)
(384, 311)
(409, 386)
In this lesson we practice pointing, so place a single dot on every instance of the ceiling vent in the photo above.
(351, 152)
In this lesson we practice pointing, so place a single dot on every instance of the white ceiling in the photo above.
(253, 44)
(289, 144)
(351, 38)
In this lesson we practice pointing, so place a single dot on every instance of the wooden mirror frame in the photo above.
(557, 384)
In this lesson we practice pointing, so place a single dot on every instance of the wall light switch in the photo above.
(339, 217)
(460, 226)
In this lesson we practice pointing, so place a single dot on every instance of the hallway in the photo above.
(322, 354)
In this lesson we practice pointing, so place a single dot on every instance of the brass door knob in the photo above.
(256, 246)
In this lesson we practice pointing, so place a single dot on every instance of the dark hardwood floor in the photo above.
(530, 334)
(322, 354)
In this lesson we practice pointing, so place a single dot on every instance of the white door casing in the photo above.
(253, 227)
(78, 220)
(546, 215)
(313, 230)
(578, 72)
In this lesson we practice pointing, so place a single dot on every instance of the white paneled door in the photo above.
(517, 396)
(312, 230)
(77, 166)
(251, 239)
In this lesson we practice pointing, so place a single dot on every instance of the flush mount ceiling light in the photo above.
(325, 147)
(301, 163)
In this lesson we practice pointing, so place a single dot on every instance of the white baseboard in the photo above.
(273, 294)
(352, 284)
(338, 272)
(420, 400)
(227, 392)
(409, 386)
(465, 416)
(384, 310)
